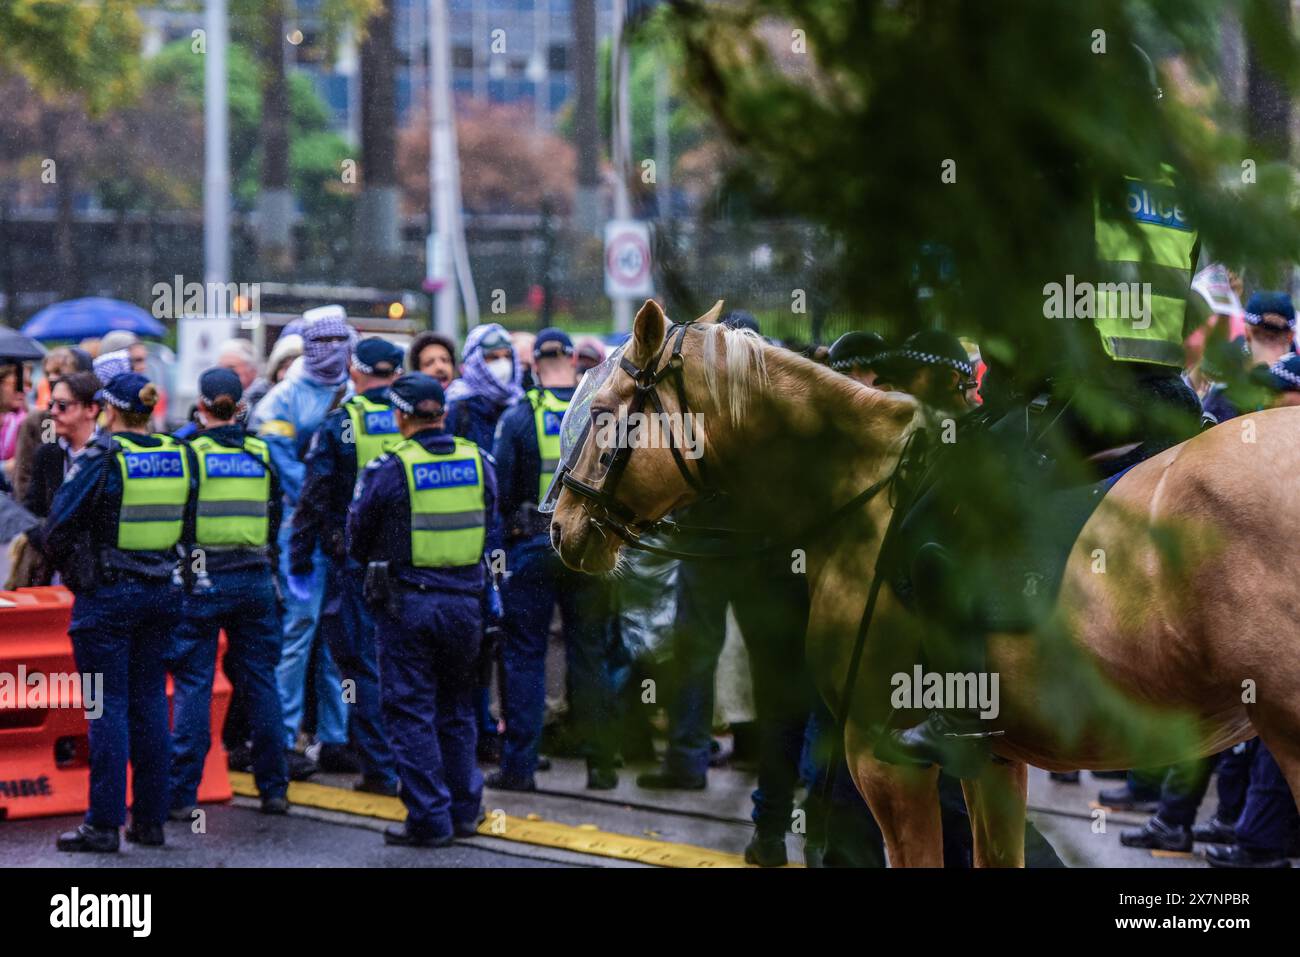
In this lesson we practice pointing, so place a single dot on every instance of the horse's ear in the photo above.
(712, 315)
(648, 331)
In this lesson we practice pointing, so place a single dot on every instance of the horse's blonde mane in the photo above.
(744, 368)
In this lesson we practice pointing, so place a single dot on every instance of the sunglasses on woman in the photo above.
(62, 405)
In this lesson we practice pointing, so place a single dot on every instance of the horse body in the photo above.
(1173, 635)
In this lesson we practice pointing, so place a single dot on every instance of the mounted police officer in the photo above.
(350, 438)
(113, 532)
(230, 582)
(854, 354)
(420, 523)
(1049, 426)
(527, 451)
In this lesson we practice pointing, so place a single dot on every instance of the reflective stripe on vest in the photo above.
(374, 430)
(548, 413)
(155, 488)
(447, 504)
(234, 488)
(1144, 278)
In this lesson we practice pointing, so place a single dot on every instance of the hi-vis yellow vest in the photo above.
(548, 413)
(374, 430)
(1159, 254)
(234, 488)
(155, 488)
(447, 504)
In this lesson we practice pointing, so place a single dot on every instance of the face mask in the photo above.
(502, 370)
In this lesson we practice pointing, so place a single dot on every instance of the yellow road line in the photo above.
(583, 839)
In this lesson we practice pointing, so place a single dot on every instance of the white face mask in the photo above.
(502, 370)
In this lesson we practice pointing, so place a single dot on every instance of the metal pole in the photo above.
(620, 146)
(441, 174)
(216, 149)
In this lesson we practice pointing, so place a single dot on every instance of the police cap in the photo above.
(418, 394)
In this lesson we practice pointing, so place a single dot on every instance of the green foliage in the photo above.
(315, 152)
(69, 46)
(852, 129)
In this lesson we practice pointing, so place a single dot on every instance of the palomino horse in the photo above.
(1195, 656)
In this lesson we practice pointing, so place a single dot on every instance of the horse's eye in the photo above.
(606, 457)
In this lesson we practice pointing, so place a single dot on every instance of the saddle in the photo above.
(1029, 567)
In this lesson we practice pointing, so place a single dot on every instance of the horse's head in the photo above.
(622, 471)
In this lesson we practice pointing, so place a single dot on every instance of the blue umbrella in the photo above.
(91, 317)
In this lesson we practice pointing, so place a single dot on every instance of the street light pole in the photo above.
(444, 195)
(216, 149)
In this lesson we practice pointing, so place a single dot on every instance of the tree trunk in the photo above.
(376, 229)
(275, 200)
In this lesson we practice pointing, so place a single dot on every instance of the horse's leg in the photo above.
(904, 802)
(996, 804)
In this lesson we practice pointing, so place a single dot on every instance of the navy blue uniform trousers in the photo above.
(1269, 819)
(537, 580)
(243, 603)
(350, 632)
(771, 607)
(121, 631)
(428, 655)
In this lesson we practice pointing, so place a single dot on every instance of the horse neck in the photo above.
(808, 442)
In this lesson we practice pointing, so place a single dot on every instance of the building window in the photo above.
(462, 57)
(557, 57)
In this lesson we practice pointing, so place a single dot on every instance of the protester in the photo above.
(435, 355)
(286, 420)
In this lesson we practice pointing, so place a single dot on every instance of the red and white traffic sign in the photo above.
(627, 259)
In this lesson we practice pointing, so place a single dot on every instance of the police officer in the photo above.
(112, 533)
(420, 523)
(527, 451)
(231, 585)
(854, 354)
(350, 438)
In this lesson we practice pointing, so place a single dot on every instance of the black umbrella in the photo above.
(15, 347)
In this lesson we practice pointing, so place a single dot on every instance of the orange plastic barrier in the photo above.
(44, 749)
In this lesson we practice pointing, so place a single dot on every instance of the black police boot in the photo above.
(339, 759)
(1222, 855)
(376, 786)
(90, 839)
(184, 814)
(1124, 799)
(150, 835)
(1214, 831)
(666, 780)
(763, 851)
(240, 758)
(956, 740)
(1156, 835)
(498, 781)
(301, 767)
(470, 828)
(601, 779)
(1064, 777)
(400, 836)
(275, 804)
